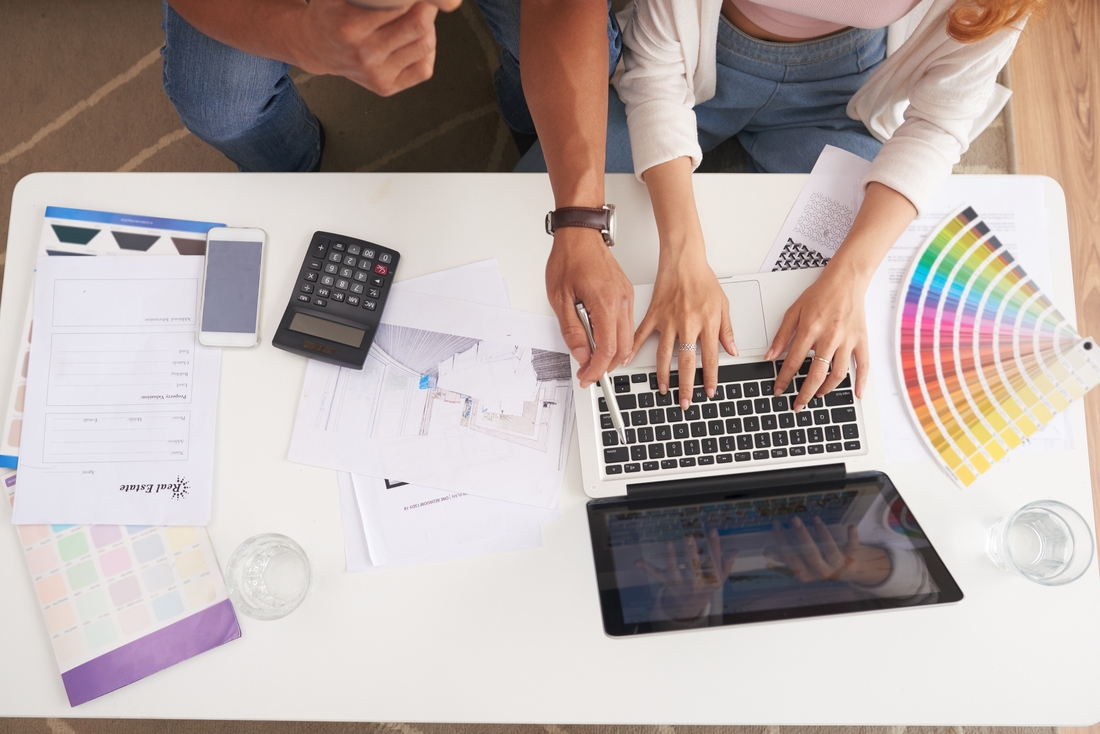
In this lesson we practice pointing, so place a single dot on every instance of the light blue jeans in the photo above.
(249, 109)
(783, 101)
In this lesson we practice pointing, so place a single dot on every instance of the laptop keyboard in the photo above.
(743, 424)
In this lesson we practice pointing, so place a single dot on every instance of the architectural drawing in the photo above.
(523, 396)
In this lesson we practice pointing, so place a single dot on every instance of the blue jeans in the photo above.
(245, 106)
(783, 101)
(249, 109)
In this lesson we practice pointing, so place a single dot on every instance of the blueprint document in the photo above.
(394, 418)
(121, 398)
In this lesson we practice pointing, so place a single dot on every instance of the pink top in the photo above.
(812, 18)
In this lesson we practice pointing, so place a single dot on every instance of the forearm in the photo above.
(673, 199)
(881, 219)
(563, 60)
(258, 27)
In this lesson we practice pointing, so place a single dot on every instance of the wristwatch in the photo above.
(602, 219)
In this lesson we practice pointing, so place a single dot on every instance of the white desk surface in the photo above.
(517, 637)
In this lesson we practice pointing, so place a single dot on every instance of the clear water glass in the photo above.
(268, 576)
(1047, 542)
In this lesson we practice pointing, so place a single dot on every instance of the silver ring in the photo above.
(828, 362)
(687, 347)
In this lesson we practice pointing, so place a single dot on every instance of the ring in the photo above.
(828, 362)
(687, 347)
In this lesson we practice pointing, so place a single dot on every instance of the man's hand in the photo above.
(385, 51)
(581, 269)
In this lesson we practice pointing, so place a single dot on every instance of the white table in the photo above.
(517, 637)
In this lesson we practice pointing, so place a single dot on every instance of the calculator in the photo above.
(338, 300)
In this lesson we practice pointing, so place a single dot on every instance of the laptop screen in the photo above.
(733, 556)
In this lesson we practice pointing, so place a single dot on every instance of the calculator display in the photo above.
(330, 330)
(337, 301)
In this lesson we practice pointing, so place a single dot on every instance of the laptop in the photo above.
(743, 428)
(738, 509)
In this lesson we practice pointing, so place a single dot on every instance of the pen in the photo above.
(605, 381)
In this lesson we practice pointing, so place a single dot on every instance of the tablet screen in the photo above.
(731, 557)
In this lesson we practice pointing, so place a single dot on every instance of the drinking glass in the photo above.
(268, 576)
(1047, 542)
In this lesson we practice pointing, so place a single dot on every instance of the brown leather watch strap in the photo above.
(582, 216)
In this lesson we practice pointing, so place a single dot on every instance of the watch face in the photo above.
(611, 227)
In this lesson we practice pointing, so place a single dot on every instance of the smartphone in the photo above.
(230, 315)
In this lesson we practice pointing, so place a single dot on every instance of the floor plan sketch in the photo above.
(453, 396)
(521, 393)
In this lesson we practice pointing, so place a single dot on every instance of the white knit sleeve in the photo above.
(657, 88)
(943, 107)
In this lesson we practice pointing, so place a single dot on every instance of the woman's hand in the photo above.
(688, 306)
(817, 557)
(827, 319)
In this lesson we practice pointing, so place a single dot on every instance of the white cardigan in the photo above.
(927, 101)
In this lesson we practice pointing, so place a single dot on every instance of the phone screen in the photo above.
(232, 288)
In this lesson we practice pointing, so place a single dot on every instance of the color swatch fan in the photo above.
(985, 359)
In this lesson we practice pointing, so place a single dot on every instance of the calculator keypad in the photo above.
(350, 275)
(344, 281)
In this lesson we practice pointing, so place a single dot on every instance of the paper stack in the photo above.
(452, 439)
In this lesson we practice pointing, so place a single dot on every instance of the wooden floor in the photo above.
(1056, 83)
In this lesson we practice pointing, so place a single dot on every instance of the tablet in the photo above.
(754, 549)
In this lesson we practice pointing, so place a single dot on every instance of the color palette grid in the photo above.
(84, 232)
(122, 602)
(985, 359)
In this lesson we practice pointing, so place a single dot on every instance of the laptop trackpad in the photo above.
(746, 315)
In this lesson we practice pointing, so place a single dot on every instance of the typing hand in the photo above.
(581, 269)
(689, 586)
(827, 319)
(817, 557)
(383, 50)
(688, 306)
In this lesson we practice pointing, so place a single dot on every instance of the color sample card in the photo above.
(122, 602)
(985, 359)
(82, 232)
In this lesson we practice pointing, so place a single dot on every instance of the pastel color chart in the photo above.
(985, 359)
(122, 602)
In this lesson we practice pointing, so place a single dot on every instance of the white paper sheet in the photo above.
(391, 419)
(822, 214)
(479, 282)
(403, 521)
(358, 557)
(121, 398)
